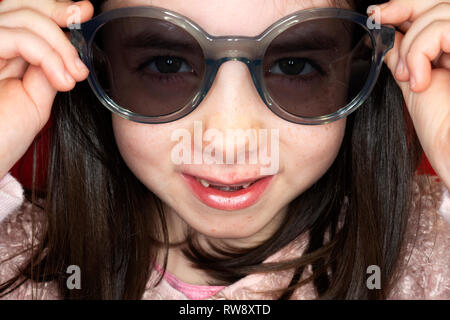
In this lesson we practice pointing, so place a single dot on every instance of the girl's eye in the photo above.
(168, 64)
(292, 67)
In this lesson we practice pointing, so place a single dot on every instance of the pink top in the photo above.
(425, 275)
(191, 291)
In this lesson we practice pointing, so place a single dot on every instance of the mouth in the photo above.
(225, 187)
(229, 197)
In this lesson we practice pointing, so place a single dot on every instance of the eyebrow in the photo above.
(293, 44)
(146, 39)
(151, 40)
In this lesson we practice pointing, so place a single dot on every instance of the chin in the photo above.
(227, 234)
(227, 226)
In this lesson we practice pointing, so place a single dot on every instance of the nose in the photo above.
(234, 108)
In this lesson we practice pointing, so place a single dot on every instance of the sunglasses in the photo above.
(152, 65)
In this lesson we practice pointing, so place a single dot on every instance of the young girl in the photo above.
(342, 215)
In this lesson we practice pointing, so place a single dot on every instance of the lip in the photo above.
(228, 200)
(224, 182)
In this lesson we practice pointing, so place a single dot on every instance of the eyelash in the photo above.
(142, 67)
(297, 79)
(306, 61)
(178, 76)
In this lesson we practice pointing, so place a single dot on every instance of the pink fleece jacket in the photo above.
(425, 273)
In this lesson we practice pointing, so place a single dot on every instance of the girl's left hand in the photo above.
(420, 63)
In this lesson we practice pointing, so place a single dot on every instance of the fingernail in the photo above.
(80, 65)
(372, 9)
(413, 83)
(384, 5)
(68, 77)
(400, 68)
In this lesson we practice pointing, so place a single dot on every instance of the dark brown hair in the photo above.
(96, 208)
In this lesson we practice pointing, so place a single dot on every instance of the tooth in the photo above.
(225, 188)
(245, 186)
(204, 183)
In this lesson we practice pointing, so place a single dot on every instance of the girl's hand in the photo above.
(420, 62)
(36, 60)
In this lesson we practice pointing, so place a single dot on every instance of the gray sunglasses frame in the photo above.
(220, 49)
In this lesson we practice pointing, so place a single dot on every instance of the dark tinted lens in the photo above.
(147, 66)
(317, 67)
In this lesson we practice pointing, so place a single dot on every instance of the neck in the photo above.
(182, 267)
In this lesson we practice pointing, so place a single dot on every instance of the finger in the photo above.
(13, 68)
(392, 59)
(2, 63)
(396, 12)
(439, 88)
(431, 117)
(404, 26)
(438, 12)
(47, 29)
(38, 52)
(443, 61)
(426, 48)
(62, 12)
(393, 12)
(72, 12)
(40, 91)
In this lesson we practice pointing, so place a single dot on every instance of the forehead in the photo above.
(231, 17)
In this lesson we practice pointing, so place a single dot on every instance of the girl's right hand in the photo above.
(37, 59)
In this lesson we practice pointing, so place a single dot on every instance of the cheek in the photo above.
(311, 150)
(143, 148)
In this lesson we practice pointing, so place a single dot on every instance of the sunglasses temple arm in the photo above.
(78, 41)
(386, 38)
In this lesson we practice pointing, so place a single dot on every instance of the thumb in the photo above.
(392, 60)
(69, 12)
(63, 12)
(393, 12)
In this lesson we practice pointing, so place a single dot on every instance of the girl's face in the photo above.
(304, 153)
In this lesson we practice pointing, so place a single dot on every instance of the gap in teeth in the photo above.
(206, 184)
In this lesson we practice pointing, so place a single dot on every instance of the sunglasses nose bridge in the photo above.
(241, 49)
